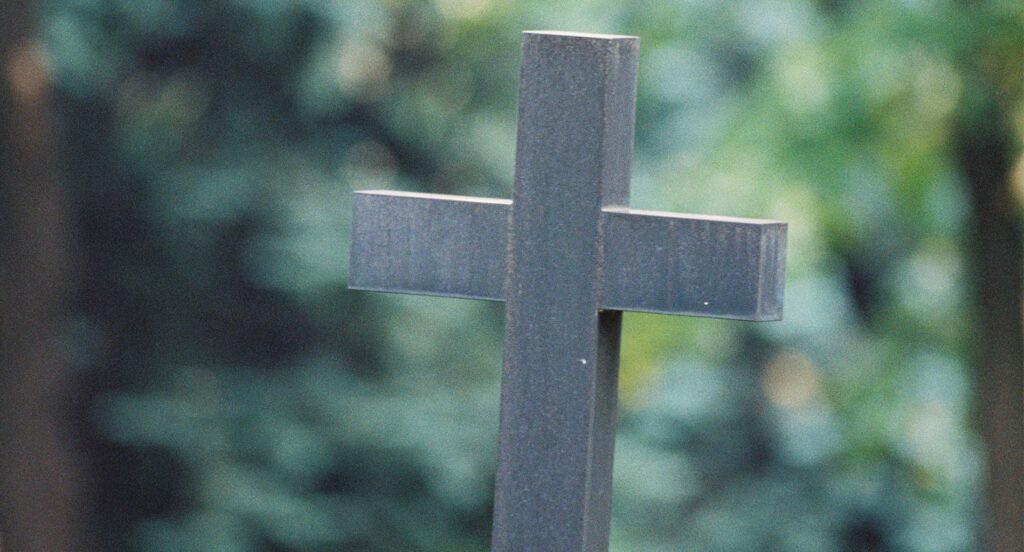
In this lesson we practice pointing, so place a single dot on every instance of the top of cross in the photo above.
(596, 36)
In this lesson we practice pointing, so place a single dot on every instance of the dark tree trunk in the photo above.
(985, 149)
(38, 481)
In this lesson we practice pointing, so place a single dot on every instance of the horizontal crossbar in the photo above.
(668, 263)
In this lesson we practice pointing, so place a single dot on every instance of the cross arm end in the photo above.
(720, 267)
(428, 244)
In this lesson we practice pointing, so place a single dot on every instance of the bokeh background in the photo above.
(183, 367)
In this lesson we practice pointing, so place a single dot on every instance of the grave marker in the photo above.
(567, 256)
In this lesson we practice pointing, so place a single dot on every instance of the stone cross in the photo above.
(567, 255)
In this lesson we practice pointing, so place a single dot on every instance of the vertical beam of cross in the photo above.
(558, 390)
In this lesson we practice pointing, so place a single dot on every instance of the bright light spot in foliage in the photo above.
(791, 381)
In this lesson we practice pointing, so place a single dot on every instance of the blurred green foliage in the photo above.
(238, 397)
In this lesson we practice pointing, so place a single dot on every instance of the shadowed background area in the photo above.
(183, 368)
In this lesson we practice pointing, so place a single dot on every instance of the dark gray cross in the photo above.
(567, 255)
